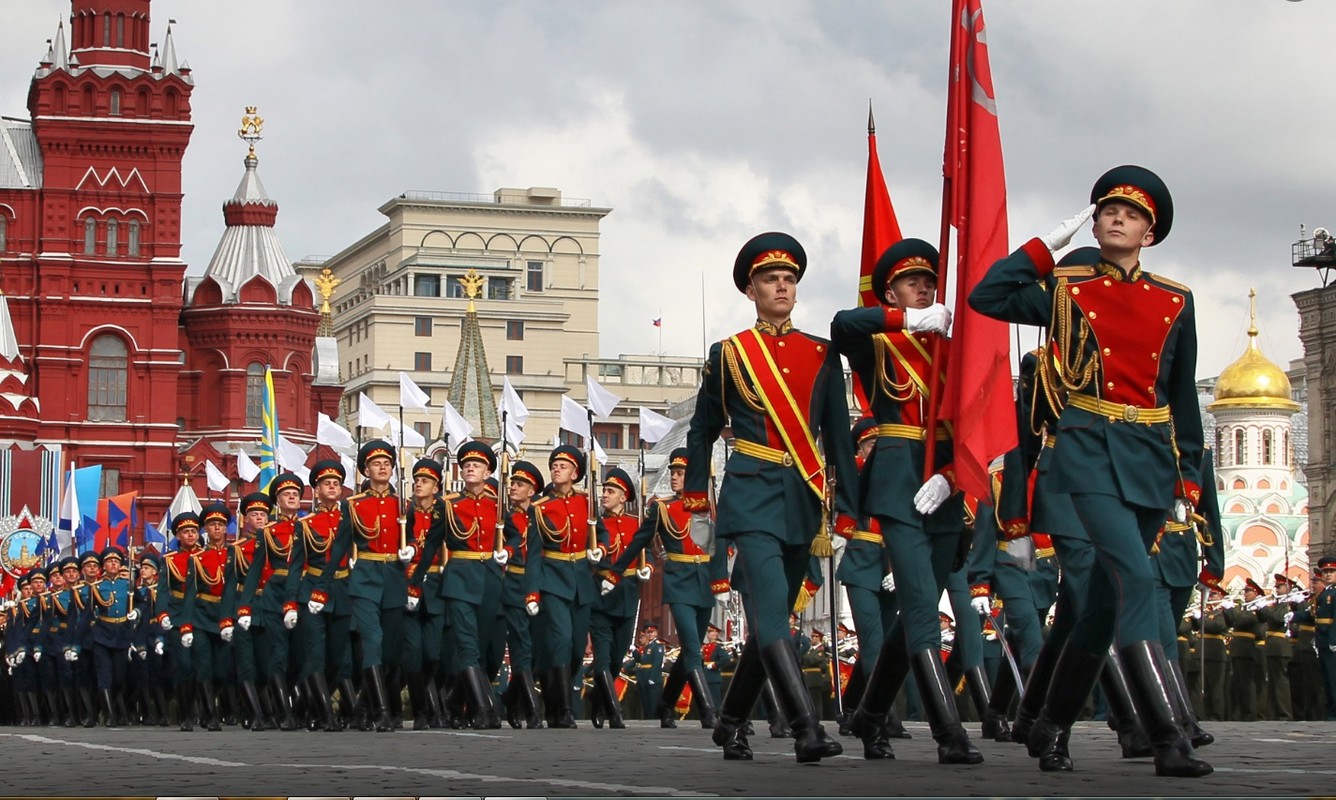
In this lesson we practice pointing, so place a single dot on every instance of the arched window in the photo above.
(106, 29)
(4, 241)
(1267, 454)
(1240, 447)
(112, 229)
(107, 366)
(254, 395)
(115, 102)
(132, 238)
(1285, 448)
(120, 30)
(90, 236)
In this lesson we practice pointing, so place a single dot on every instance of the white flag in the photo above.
(405, 437)
(218, 482)
(370, 415)
(69, 519)
(455, 429)
(601, 401)
(411, 395)
(329, 432)
(349, 472)
(600, 456)
(514, 434)
(185, 500)
(290, 455)
(511, 404)
(246, 468)
(574, 417)
(303, 473)
(653, 425)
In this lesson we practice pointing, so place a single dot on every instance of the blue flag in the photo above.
(268, 432)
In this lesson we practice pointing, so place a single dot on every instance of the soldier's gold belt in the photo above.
(317, 572)
(1324, 621)
(897, 431)
(683, 558)
(868, 536)
(1119, 412)
(278, 573)
(208, 598)
(556, 556)
(1308, 628)
(370, 556)
(434, 569)
(470, 555)
(514, 569)
(1245, 634)
(1219, 636)
(109, 619)
(628, 573)
(1278, 634)
(762, 452)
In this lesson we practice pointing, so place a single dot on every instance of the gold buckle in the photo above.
(1130, 413)
(787, 460)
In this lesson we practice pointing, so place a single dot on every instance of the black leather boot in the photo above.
(595, 702)
(374, 679)
(185, 705)
(810, 742)
(210, 707)
(435, 718)
(873, 720)
(853, 694)
(895, 729)
(109, 708)
(233, 713)
(278, 686)
(1062, 705)
(1149, 679)
(160, 700)
(939, 706)
(704, 699)
(90, 708)
(482, 698)
(417, 698)
(672, 689)
(348, 703)
(994, 718)
(560, 697)
(1183, 706)
(1123, 720)
(258, 723)
(324, 703)
(731, 731)
(976, 680)
(72, 707)
(528, 695)
(1035, 690)
(605, 688)
(779, 725)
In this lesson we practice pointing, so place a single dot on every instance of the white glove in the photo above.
(606, 586)
(412, 603)
(290, 619)
(1195, 613)
(407, 552)
(531, 608)
(888, 582)
(982, 605)
(932, 494)
(132, 615)
(1226, 603)
(948, 637)
(721, 598)
(166, 623)
(130, 654)
(1331, 647)
(159, 648)
(143, 654)
(1263, 602)
(1058, 238)
(71, 655)
(226, 633)
(315, 606)
(187, 639)
(36, 656)
(1289, 617)
(243, 622)
(644, 572)
(1182, 510)
(936, 318)
(595, 555)
(501, 557)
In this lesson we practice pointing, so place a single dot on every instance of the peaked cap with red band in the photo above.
(622, 480)
(902, 258)
(1142, 188)
(772, 250)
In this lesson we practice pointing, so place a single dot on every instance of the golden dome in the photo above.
(1253, 381)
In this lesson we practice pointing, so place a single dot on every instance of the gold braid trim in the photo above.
(313, 539)
(1076, 369)
(549, 532)
(749, 396)
(666, 524)
(899, 392)
(455, 529)
(276, 547)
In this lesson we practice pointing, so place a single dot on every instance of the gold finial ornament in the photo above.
(325, 283)
(472, 283)
(252, 124)
(1253, 380)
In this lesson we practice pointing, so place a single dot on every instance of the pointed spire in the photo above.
(9, 343)
(169, 63)
(61, 51)
(871, 124)
(471, 383)
(49, 58)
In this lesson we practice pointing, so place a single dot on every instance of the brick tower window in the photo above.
(107, 362)
(132, 238)
(90, 236)
(113, 243)
(254, 395)
(4, 244)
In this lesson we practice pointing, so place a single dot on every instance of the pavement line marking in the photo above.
(434, 773)
(1282, 770)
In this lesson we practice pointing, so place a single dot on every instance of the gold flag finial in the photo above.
(472, 283)
(252, 124)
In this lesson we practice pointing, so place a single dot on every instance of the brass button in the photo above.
(1151, 390)
(1145, 286)
(1177, 299)
(1076, 290)
(1107, 351)
(1092, 315)
(1110, 384)
(1108, 282)
(1166, 320)
(821, 348)
(781, 342)
(785, 370)
(1154, 356)
(787, 460)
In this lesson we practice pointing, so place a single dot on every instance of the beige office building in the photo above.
(401, 306)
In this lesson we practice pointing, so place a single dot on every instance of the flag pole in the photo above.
(950, 152)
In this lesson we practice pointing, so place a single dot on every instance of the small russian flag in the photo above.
(658, 322)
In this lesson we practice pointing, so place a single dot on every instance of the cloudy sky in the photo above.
(702, 122)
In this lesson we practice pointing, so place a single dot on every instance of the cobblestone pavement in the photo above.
(1251, 759)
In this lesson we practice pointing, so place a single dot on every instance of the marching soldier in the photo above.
(560, 583)
(212, 621)
(175, 610)
(79, 644)
(716, 658)
(1244, 660)
(150, 670)
(613, 620)
(1306, 685)
(1278, 652)
(694, 581)
(1129, 445)
(922, 522)
(378, 584)
(424, 621)
(18, 645)
(269, 581)
(1324, 619)
(318, 600)
(779, 389)
(113, 630)
(649, 669)
(1214, 632)
(526, 480)
(240, 560)
(65, 603)
(42, 646)
(56, 626)
(471, 583)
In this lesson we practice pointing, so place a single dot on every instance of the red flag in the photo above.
(880, 231)
(978, 398)
(116, 519)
